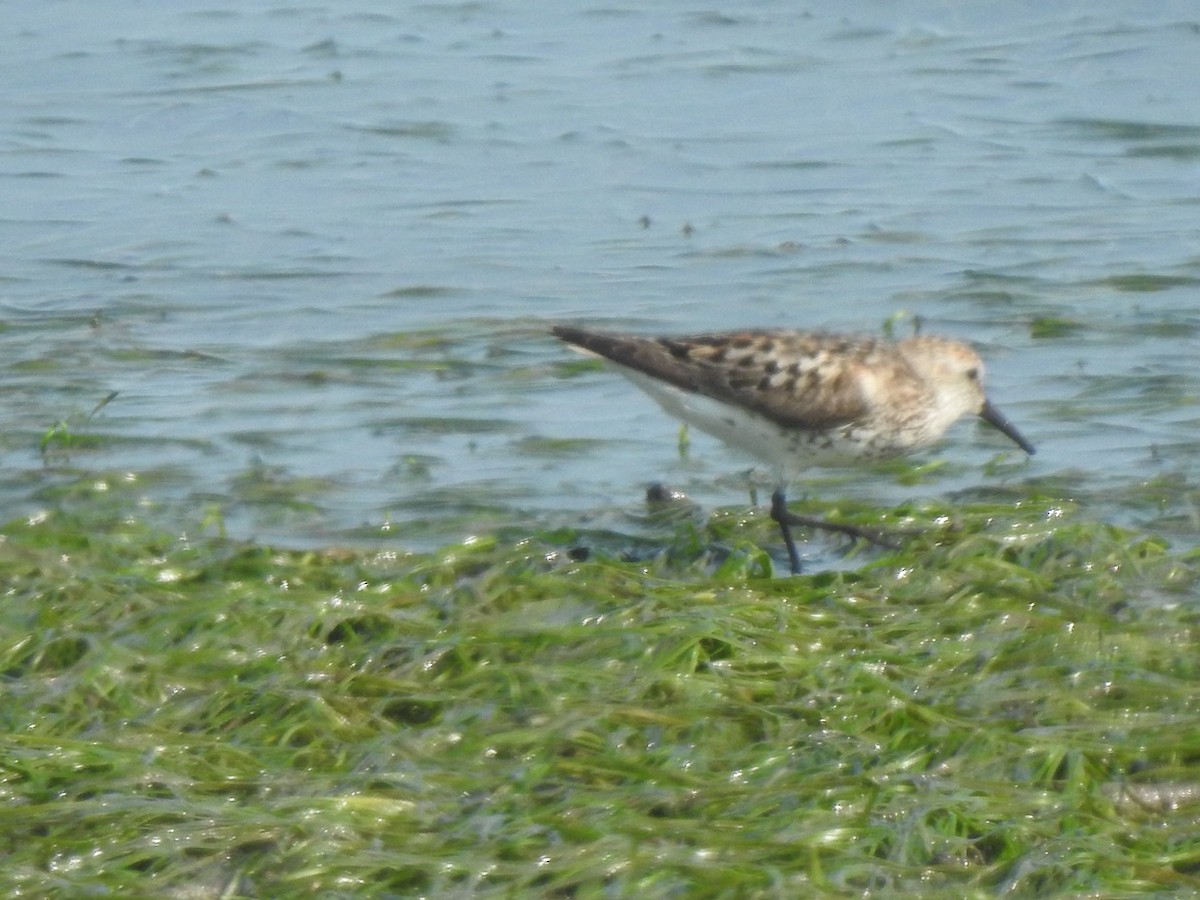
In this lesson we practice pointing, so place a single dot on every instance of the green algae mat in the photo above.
(1009, 705)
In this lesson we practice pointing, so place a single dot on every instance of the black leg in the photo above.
(779, 512)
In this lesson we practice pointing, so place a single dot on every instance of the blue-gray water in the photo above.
(314, 247)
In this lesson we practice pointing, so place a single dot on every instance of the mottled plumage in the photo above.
(796, 399)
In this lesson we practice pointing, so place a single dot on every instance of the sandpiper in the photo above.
(796, 399)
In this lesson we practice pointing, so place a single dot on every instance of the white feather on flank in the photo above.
(788, 453)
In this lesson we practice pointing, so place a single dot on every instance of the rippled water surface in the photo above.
(313, 249)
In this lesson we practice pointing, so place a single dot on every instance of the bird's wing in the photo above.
(798, 379)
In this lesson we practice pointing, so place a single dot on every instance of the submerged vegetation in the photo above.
(1008, 704)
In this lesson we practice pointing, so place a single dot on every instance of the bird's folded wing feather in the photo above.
(796, 379)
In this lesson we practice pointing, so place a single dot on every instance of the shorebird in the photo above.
(795, 399)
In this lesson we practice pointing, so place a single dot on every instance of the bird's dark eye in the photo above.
(973, 374)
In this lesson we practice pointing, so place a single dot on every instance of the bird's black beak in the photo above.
(996, 419)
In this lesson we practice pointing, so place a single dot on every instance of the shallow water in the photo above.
(314, 249)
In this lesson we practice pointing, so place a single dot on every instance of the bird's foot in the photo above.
(891, 538)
